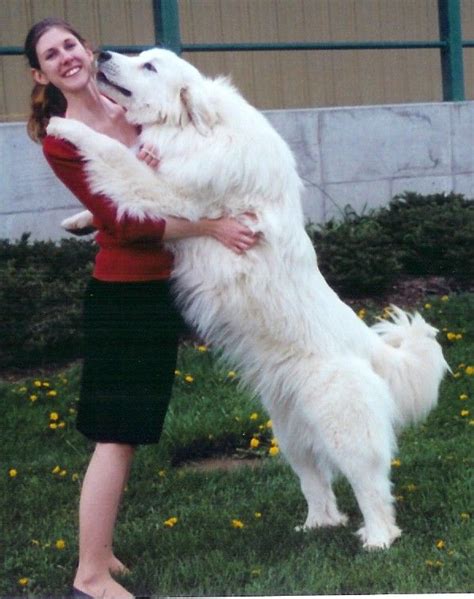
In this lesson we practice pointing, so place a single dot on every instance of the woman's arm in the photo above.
(69, 168)
(227, 230)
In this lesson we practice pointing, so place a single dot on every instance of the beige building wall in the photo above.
(291, 79)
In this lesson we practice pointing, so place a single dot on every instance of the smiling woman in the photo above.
(131, 326)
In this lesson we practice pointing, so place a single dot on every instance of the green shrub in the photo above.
(356, 255)
(433, 234)
(41, 288)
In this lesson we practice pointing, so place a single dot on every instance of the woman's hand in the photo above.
(232, 233)
(149, 154)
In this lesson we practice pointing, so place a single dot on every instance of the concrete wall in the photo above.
(361, 156)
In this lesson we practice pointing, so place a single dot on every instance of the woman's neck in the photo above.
(98, 112)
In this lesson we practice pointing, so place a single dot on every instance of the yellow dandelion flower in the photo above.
(456, 375)
(255, 572)
(63, 473)
(231, 374)
(458, 336)
(440, 544)
(396, 463)
(171, 522)
(22, 389)
(33, 397)
(254, 443)
(444, 298)
(434, 564)
(52, 393)
(45, 384)
(254, 416)
(464, 413)
(428, 306)
(53, 426)
(237, 523)
(451, 336)
(269, 424)
(13, 473)
(56, 469)
(188, 378)
(61, 424)
(274, 441)
(273, 451)
(37, 383)
(54, 416)
(258, 515)
(471, 422)
(202, 348)
(23, 582)
(75, 477)
(177, 372)
(60, 544)
(463, 397)
(362, 313)
(465, 516)
(469, 370)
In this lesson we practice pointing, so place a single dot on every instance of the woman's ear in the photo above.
(198, 109)
(39, 77)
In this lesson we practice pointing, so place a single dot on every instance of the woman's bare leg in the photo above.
(102, 490)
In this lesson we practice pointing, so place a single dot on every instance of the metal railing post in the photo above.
(167, 33)
(452, 66)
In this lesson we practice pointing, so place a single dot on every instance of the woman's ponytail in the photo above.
(46, 101)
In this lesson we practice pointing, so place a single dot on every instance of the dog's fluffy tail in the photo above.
(412, 363)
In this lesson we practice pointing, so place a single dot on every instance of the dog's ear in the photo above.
(197, 108)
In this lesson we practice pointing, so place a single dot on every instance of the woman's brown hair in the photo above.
(46, 100)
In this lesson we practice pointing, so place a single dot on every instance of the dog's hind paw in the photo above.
(380, 539)
(323, 521)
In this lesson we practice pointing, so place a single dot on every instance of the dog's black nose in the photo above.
(104, 56)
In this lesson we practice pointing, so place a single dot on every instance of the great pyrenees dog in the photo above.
(336, 390)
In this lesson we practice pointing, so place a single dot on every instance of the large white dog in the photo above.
(336, 390)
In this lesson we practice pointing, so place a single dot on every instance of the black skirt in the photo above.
(131, 335)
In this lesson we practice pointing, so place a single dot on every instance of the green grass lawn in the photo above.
(234, 532)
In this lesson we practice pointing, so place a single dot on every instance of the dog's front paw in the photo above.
(79, 224)
(69, 129)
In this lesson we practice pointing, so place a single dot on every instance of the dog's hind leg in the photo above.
(350, 418)
(317, 490)
(373, 493)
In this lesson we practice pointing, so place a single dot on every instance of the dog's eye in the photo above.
(149, 67)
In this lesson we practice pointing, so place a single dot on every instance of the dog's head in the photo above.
(156, 87)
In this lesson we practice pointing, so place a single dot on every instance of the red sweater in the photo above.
(129, 249)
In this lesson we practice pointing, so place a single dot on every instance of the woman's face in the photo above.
(63, 61)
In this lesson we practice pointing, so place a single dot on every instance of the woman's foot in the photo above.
(102, 588)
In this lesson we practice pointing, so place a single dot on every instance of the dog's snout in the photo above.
(103, 57)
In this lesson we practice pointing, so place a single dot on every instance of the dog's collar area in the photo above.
(101, 78)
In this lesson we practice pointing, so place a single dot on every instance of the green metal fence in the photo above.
(450, 44)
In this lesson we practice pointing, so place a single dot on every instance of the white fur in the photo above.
(335, 389)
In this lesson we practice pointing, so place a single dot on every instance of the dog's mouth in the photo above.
(101, 78)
